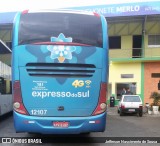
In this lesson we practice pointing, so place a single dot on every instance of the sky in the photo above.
(18, 5)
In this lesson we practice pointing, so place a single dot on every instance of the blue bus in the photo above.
(60, 71)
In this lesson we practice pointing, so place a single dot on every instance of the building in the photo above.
(134, 46)
(134, 55)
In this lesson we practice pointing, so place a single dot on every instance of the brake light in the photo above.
(25, 11)
(17, 99)
(60, 43)
(101, 107)
(96, 14)
(140, 107)
(122, 106)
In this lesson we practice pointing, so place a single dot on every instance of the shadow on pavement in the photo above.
(5, 116)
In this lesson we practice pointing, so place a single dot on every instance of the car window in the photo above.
(131, 99)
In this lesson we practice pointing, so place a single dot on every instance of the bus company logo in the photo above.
(81, 83)
(61, 52)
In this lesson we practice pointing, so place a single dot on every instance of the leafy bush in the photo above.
(156, 98)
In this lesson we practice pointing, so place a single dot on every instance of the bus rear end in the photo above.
(59, 73)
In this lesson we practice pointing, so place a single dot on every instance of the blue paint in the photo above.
(53, 76)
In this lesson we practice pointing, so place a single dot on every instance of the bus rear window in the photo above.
(131, 99)
(40, 27)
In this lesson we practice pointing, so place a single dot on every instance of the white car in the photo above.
(130, 104)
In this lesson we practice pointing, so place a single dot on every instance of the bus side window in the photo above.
(5, 86)
(10, 87)
(2, 85)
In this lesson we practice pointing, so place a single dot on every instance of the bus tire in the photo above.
(86, 133)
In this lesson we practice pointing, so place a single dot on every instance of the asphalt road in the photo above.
(125, 126)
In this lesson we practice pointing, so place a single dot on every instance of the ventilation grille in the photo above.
(60, 70)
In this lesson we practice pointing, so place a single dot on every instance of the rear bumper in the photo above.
(131, 110)
(24, 123)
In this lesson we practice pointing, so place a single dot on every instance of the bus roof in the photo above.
(60, 11)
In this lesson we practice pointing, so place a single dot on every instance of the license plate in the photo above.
(131, 110)
(61, 124)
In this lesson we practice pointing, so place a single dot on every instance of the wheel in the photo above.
(145, 110)
(140, 114)
(118, 111)
(86, 134)
(121, 113)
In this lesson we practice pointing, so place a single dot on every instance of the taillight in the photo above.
(101, 107)
(17, 99)
(140, 107)
(122, 106)
(25, 11)
(96, 14)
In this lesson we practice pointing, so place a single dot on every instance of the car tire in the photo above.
(140, 114)
(121, 113)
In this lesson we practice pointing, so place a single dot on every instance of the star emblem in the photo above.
(61, 52)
